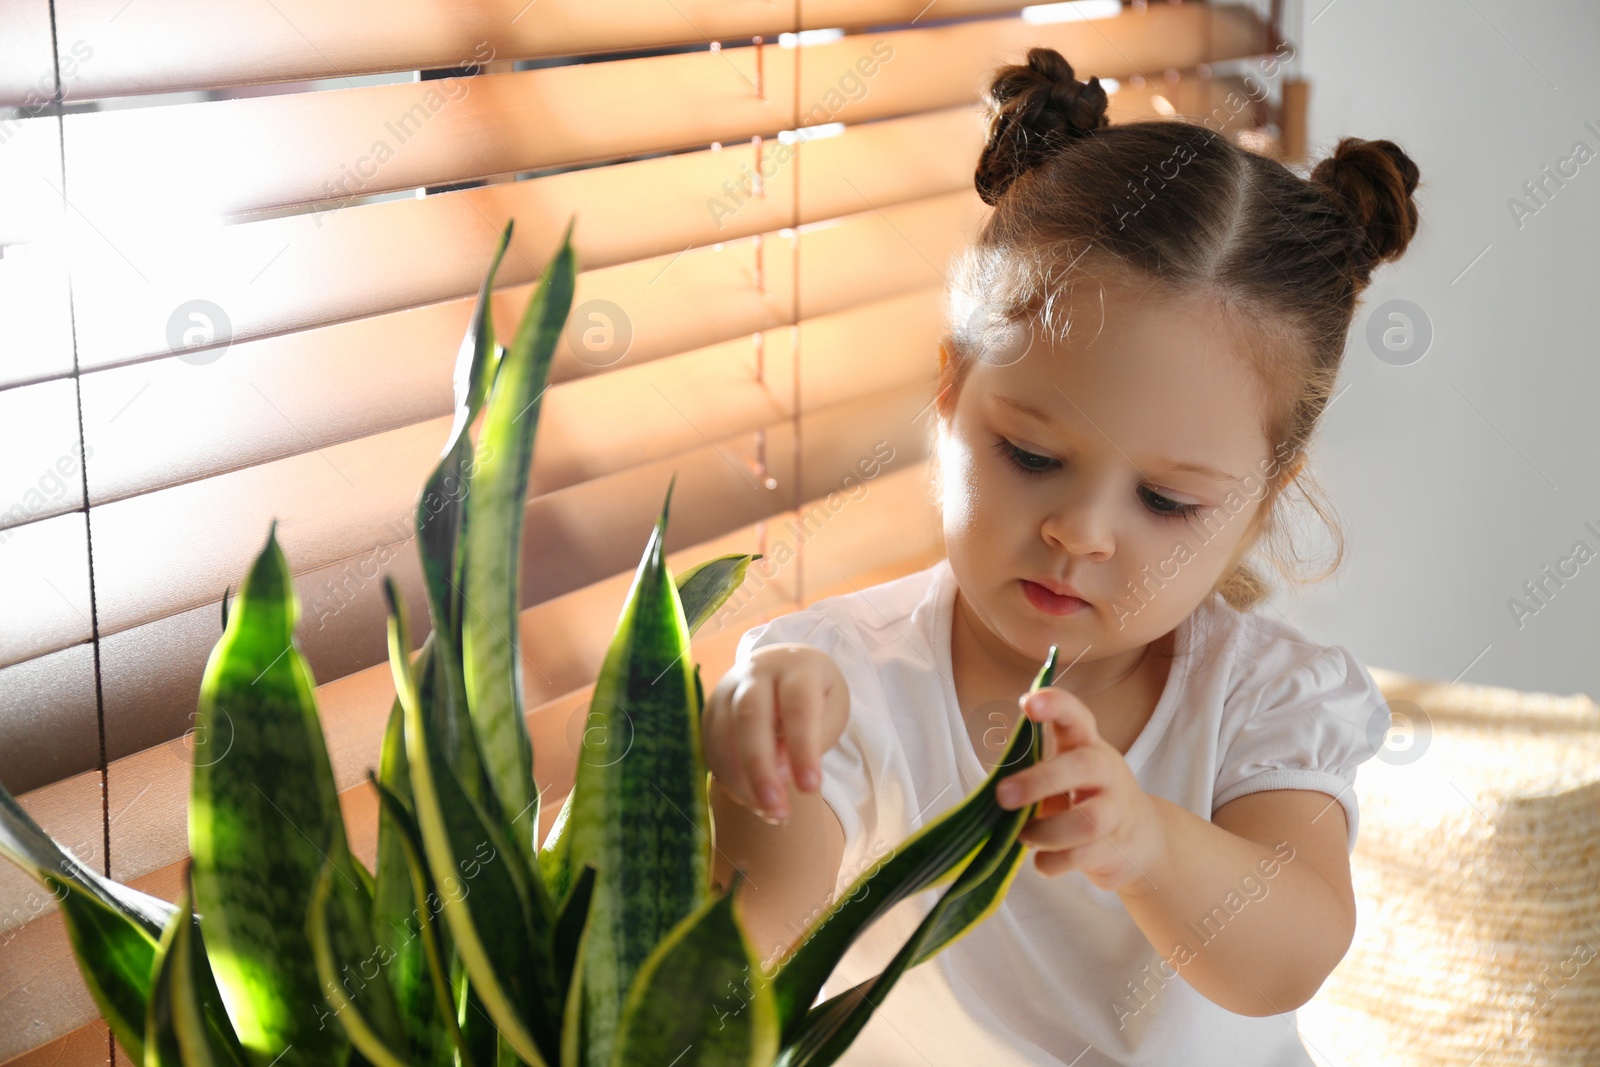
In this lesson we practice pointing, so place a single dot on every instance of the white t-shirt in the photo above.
(1060, 974)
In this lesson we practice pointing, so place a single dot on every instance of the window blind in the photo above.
(239, 248)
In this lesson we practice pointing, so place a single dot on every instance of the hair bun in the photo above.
(1034, 108)
(1373, 180)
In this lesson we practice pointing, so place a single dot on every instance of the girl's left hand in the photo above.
(1109, 827)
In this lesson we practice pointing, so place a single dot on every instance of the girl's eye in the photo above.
(1025, 462)
(1170, 509)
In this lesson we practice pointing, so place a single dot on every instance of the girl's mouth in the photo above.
(1051, 603)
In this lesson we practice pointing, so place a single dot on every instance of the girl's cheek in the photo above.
(958, 488)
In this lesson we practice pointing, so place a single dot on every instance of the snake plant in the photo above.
(471, 943)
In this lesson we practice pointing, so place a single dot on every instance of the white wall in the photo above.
(1462, 476)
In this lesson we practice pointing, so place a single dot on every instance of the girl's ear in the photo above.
(945, 382)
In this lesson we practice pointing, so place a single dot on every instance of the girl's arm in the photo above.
(790, 868)
(1255, 908)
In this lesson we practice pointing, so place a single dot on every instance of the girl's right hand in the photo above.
(770, 719)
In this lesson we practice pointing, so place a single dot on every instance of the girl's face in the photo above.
(1089, 490)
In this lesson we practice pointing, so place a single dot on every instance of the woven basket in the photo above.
(1477, 882)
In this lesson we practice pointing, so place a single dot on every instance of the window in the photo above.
(238, 250)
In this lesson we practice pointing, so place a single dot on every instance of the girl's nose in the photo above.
(1080, 526)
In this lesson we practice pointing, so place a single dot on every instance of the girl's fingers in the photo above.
(800, 706)
(1057, 803)
(722, 753)
(736, 780)
(1053, 863)
(753, 715)
(1070, 829)
(1073, 721)
(784, 764)
(1077, 769)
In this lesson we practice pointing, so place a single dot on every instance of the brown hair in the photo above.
(1176, 208)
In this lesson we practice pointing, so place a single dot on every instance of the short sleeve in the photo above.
(852, 777)
(1305, 725)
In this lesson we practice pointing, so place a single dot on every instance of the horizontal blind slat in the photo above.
(303, 148)
(161, 553)
(292, 395)
(42, 470)
(284, 274)
(27, 62)
(49, 729)
(275, 151)
(30, 177)
(35, 314)
(944, 66)
(83, 1047)
(129, 50)
(35, 327)
(150, 673)
(44, 585)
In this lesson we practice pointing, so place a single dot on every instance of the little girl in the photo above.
(1142, 340)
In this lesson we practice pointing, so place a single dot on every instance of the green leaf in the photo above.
(183, 1028)
(263, 820)
(491, 534)
(438, 526)
(827, 1030)
(701, 989)
(25, 844)
(705, 587)
(483, 885)
(102, 917)
(935, 855)
(160, 1030)
(402, 918)
(422, 989)
(640, 815)
(115, 956)
(973, 906)
(439, 516)
(574, 1020)
(338, 926)
(555, 857)
(478, 1031)
(478, 359)
(568, 933)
